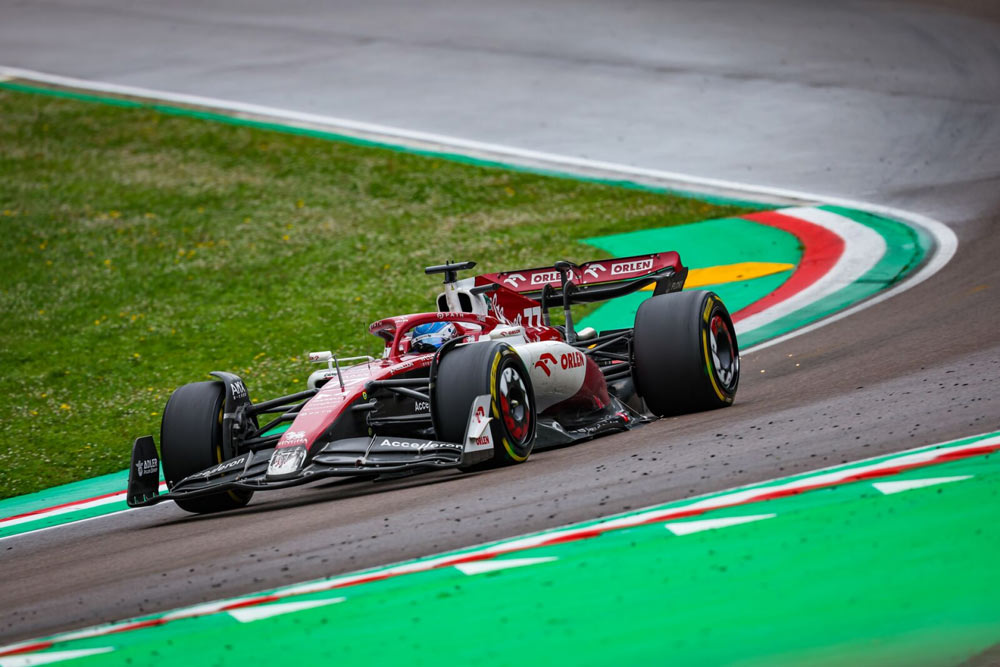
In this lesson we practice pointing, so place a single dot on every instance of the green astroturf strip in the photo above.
(43, 522)
(844, 575)
(65, 493)
(701, 245)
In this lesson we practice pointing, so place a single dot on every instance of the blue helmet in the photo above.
(429, 337)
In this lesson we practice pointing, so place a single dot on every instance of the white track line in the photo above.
(682, 528)
(56, 511)
(50, 657)
(484, 566)
(67, 508)
(889, 488)
(77, 522)
(253, 614)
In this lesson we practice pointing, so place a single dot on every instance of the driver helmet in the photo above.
(429, 337)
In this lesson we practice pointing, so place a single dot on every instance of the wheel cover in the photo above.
(725, 361)
(515, 406)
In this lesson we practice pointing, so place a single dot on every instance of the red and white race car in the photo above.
(484, 380)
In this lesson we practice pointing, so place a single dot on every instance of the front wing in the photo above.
(352, 457)
(363, 457)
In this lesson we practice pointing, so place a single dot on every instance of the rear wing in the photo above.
(524, 297)
(663, 265)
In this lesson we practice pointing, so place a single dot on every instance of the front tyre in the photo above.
(492, 368)
(684, 353)
(191, 441)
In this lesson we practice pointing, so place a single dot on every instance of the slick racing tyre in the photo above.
(191, 441)
(469, 371)
(684, 353)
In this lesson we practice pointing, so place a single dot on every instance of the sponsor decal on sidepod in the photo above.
(565, 361)
(543, 362)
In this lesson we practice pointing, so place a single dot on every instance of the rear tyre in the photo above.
(191, 441)
(473, 370)
(684, 353)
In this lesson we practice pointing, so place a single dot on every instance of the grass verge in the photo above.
(142, 249)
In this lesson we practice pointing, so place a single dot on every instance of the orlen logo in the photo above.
(544, 360)
(631, 267)
(594, 270)
(480, 414)
(571, 360)
(513, 279)
(544, 277)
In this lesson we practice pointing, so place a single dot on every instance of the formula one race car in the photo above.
(482, 381)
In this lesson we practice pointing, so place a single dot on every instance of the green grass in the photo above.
(142, 249)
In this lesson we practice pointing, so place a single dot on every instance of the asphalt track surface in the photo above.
(886, 102)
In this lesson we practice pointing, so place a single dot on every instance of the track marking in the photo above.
(251, 614)
(821, 248)
(690, 527)
(729, 273)
(65, 508)
(481, 567)
(76, 522)
(858, 471)
(48, 658)
(828, 265)
(889, 488)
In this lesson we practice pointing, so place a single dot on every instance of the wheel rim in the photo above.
(725, 361)
(515, 406)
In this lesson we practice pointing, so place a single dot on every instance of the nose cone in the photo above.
(286, 462)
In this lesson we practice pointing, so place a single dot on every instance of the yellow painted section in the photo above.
(731, 273)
